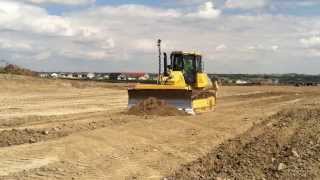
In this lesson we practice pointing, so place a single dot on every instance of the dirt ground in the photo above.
(55, 129)
(285, 146)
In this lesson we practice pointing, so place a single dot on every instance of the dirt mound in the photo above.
(154, 106)
(17, 137)
(287, 146)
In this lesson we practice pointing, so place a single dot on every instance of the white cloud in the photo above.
(314, 52)
(125, 37)
(146, 45)
(207, 10)
(61, 2)
(311, 41)
(221, 48)
(16, 46)
(132, 10)
(261, 47)
(42, 55)
(18, 16)
(246, 4)
(191, 1)
(311, 45)
(73, 40)
(251, 48)
(275, 47)
(85, 35)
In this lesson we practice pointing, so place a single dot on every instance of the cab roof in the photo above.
(186, 53)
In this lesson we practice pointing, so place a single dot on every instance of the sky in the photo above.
(234, 36)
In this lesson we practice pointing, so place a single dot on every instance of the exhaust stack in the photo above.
(159, 72)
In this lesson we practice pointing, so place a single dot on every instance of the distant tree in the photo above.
(14, 69)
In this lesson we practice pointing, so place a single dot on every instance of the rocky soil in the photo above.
(285, 146)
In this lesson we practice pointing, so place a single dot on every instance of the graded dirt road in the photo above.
(54, 129)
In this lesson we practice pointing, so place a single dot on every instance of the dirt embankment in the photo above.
(153, 106)
(286, 146)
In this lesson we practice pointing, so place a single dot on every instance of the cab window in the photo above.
(177, 61)
(188, 64)
(199, 67)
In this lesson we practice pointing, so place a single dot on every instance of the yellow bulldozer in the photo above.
(182, 84)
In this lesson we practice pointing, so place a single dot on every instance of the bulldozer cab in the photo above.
(189, 64)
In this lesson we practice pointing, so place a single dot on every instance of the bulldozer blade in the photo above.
(179, 98)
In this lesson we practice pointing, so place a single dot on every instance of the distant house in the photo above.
(90, 75)
(44, 75)
(131, 78)
(98, 76)
(54, 75)
(106, 76)
(62, 75)
(114, 76)
(102, 76)
(122, 77)
(136, 76)
(144, 77)
(241, 82)
(79, 75)
(70, 76)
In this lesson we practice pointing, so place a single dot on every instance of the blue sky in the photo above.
(234, 36)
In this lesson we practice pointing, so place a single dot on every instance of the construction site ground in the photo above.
(60, 129)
